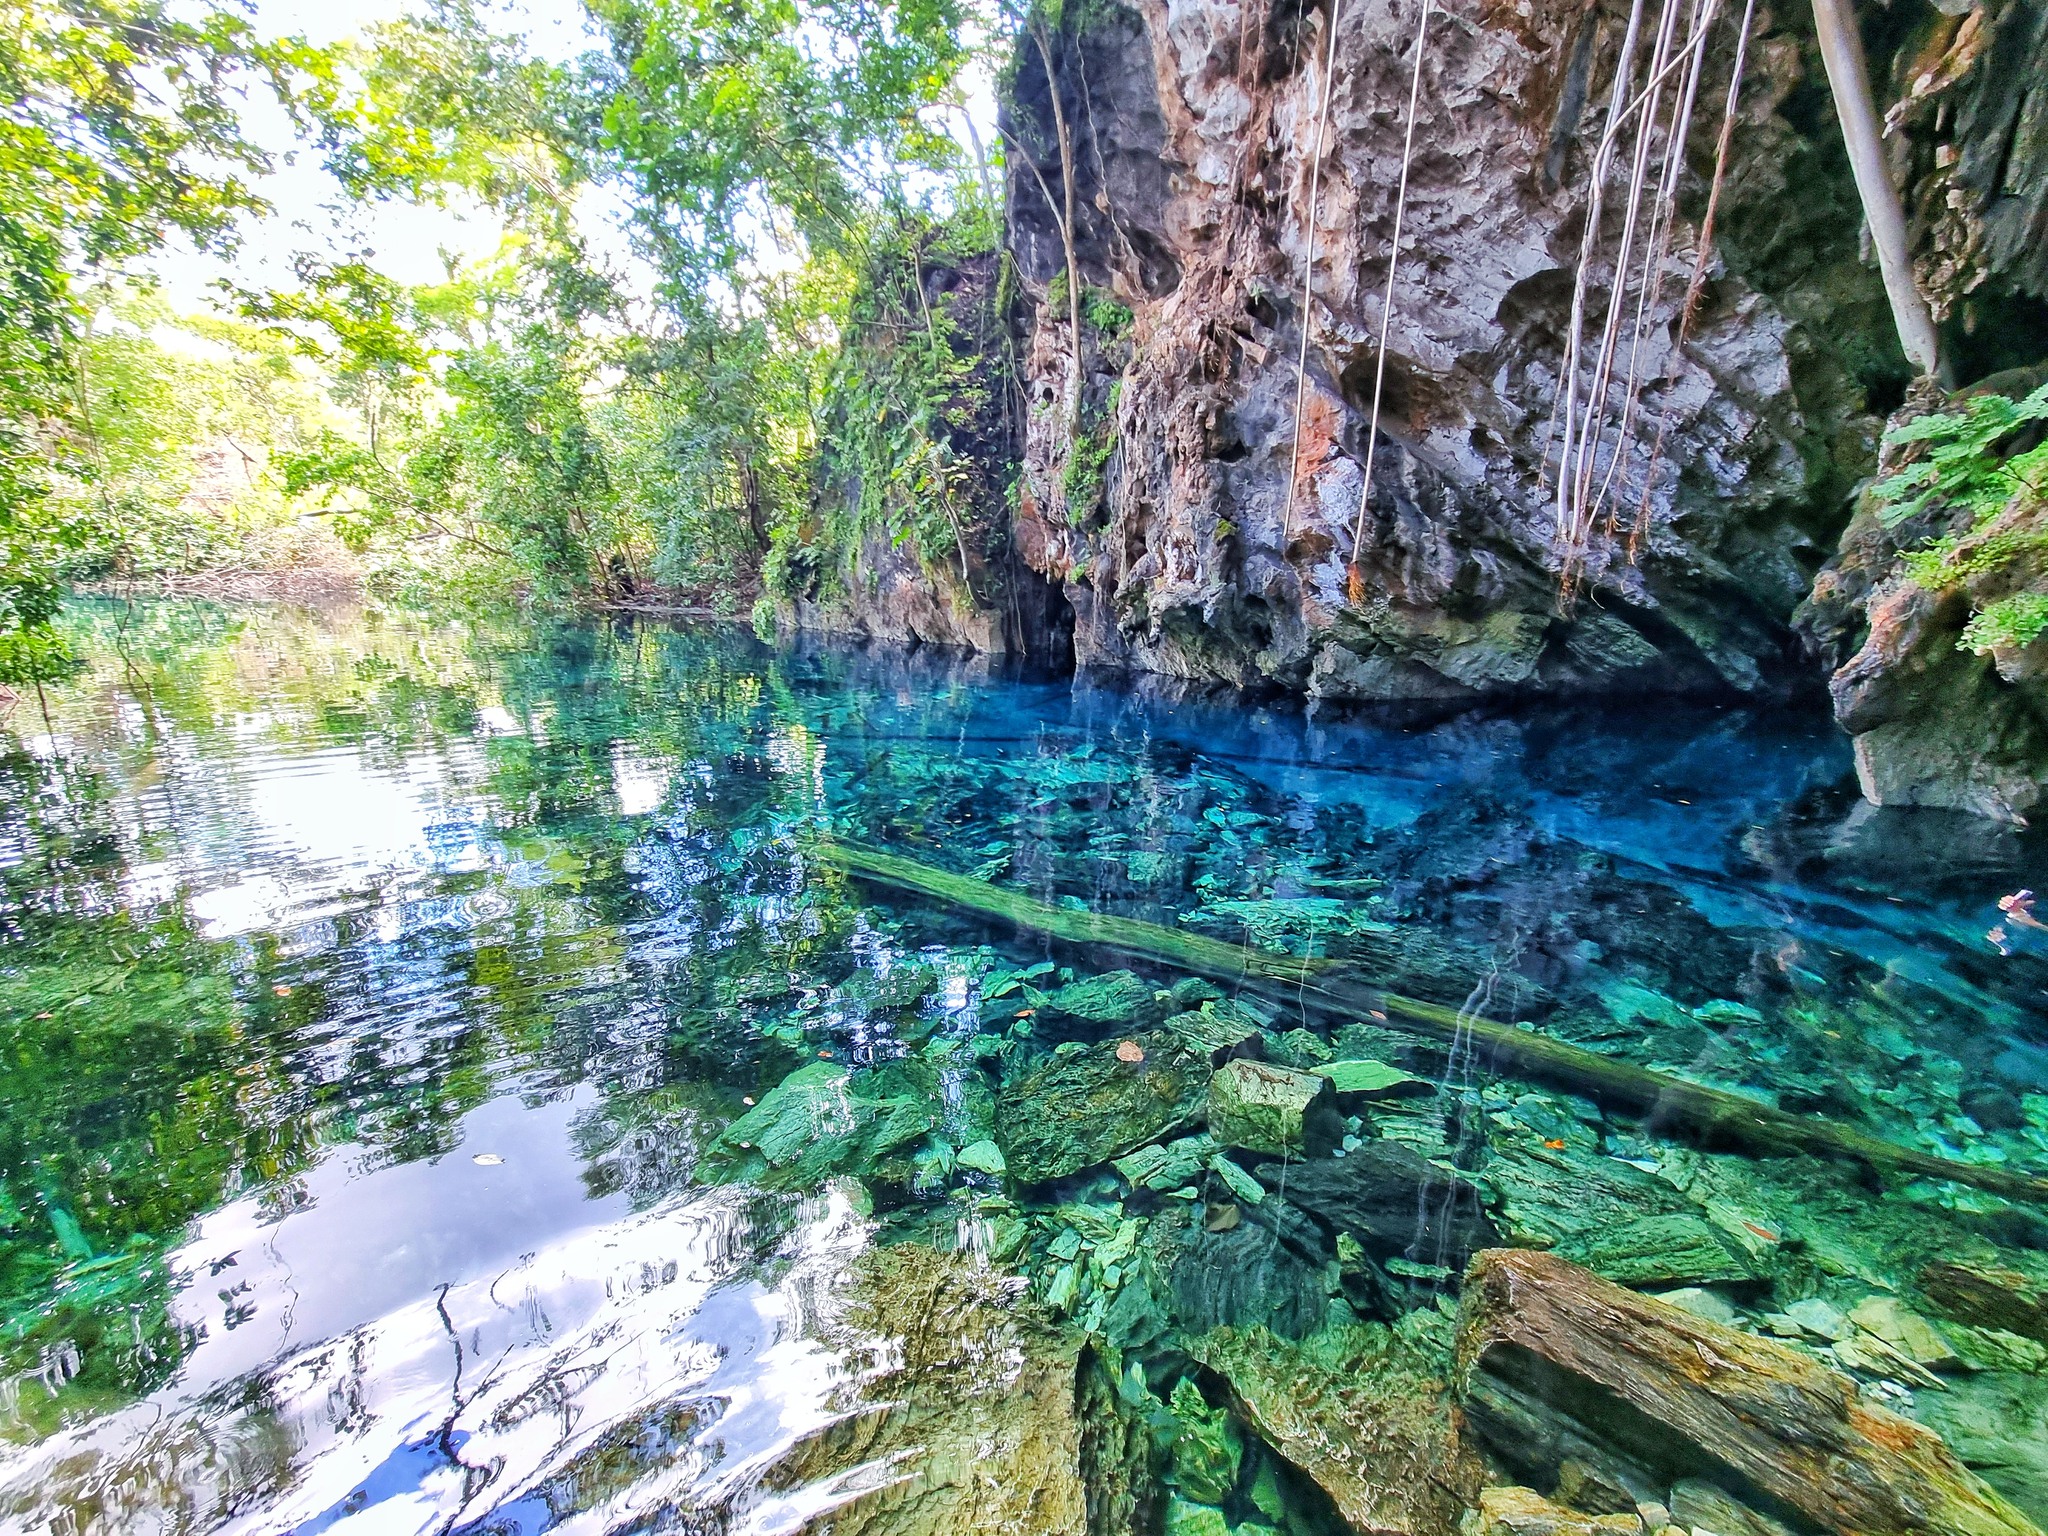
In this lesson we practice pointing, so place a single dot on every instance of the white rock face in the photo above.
(1193, 124)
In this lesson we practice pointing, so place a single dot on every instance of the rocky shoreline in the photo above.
(1186, 488)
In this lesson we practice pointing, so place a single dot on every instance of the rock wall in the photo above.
(1935, 724)
(1220, 545)
(862, 571)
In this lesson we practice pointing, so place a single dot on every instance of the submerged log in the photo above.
(1668, 1105)
(1552, 1358)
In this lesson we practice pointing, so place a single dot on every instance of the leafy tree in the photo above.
(187, 415)
(119, 129)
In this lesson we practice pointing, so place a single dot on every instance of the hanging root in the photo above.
(1379, 369)
(1689, 311)
(1583, 492)
(1308, 275)
(1650, 290)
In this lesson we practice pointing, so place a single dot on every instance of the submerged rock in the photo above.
(1168, 1165)
(1276, 1110)
(1242, 1276)
(1085, 1104)
(1360, 1082)
(1904, 1331)
(1392, 1200)
(1554, 1360)
(1989, 1295)
(1698, 1503)
(981, 1157)
(823, 1119)
(963, 1415)
(1610, 1216)
(1525, 1512)
(1220, 1029)
(1208, 1447)
(1113, 999)
(1364, 1412)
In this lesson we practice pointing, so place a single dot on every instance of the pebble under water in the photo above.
(460, 1080)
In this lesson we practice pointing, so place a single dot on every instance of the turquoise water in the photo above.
(382, 1001)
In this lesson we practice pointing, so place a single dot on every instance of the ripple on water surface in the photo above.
(452, 1082)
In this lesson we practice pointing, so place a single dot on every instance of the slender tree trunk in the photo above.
(988, 191)
(1072, 404)
(750, 491)
(1841, 48)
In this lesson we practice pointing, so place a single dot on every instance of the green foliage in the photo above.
(2009, 623)
(121, 129)
(1966, 467)
(907, 411)
(520, 427)
(1962, 466)
(1086, 471)
(188, 418)
(802, 116)
(1111, 319)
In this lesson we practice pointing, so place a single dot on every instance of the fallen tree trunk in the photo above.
(1552, 1356)
(1668, 1105)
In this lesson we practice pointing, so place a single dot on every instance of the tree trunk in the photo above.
(750, 493)
(1841, 48)
(1072, 404)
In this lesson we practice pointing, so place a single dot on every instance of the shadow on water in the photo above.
(443, 1091)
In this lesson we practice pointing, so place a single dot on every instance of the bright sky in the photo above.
(407, 242)
(310, 212)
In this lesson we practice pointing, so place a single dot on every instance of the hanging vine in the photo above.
(1354, 578)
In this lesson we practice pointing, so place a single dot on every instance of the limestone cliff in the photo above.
(1934, 722)
(909, 536)
(1175, 475)
(1218, 541)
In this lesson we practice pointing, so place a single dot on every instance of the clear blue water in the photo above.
(376, 995)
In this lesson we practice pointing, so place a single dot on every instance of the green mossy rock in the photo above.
(822, 1120)
(1364, 1412)
(1208, 1447)
(1242, 1276)
(1622, 1223)
(969, 1399)
(981, 1157)
(1171, 1165)
(1658, 1250)
(1082, 1104)
(1274, 1110)
(1111, 1000)
(1220, 1031)
(1302, 1049)
(1186, 1519)
(1364, 1081)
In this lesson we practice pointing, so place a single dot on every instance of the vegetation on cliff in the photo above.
(1975, 468)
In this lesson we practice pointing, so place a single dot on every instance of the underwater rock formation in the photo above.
(1392, 1201)
(965, 1413)
(1273, 1110)
(1364, 1412)
(1556, 1362)
(1084, 1104)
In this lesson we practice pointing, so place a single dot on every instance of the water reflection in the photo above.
(301, 916)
